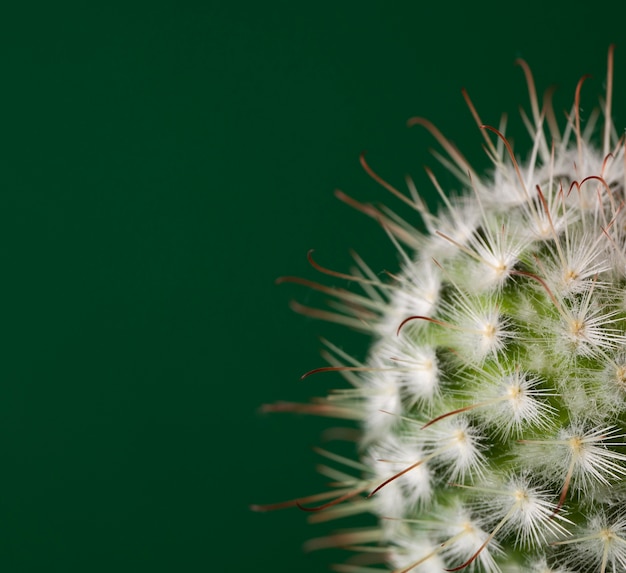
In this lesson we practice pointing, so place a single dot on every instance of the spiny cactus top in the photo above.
(493, 398)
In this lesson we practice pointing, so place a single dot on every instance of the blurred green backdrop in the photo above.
(161, 164)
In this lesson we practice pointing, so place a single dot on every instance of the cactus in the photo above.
(492, 399)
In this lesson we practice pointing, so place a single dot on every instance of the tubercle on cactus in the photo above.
(492, 403)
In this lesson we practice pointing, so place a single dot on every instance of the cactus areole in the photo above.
(492, 401)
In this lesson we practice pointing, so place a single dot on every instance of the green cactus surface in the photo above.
(492, 401)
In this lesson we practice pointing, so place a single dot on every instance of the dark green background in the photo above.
(160, 165)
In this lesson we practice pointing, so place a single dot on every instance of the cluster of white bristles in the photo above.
(493, 398)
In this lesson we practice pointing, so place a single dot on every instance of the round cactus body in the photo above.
(493, 398)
